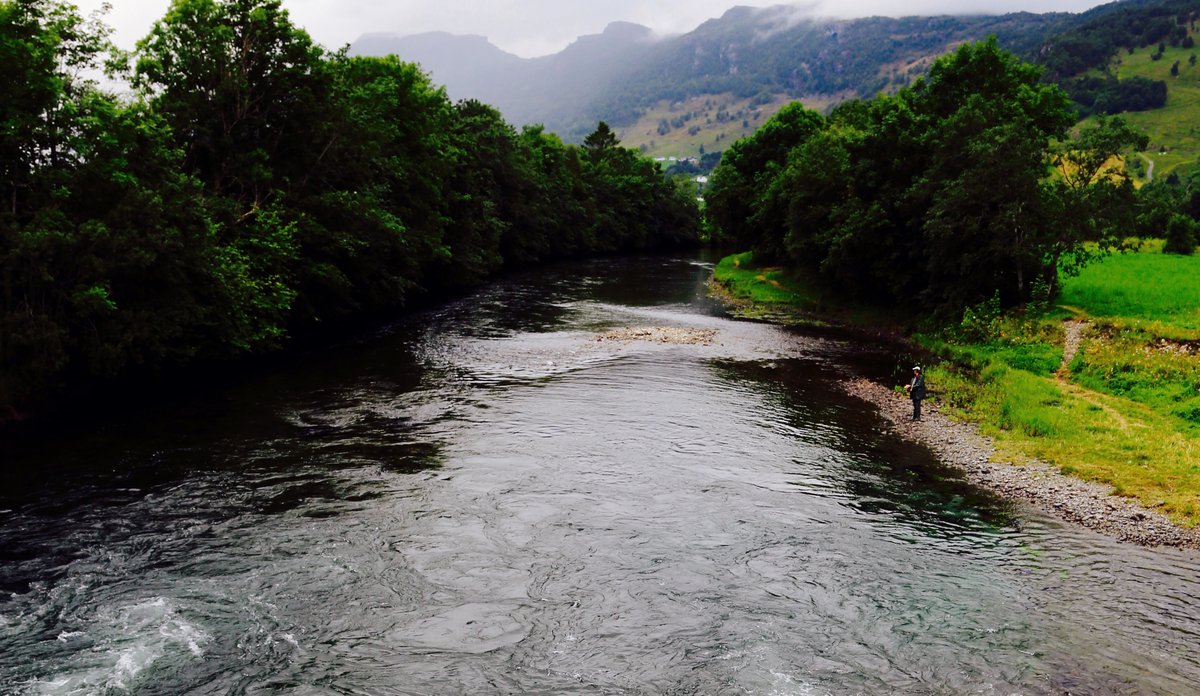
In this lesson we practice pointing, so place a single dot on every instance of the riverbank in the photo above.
(1092, 505)
(1017, 406)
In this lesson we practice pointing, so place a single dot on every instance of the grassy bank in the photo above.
(774, 294)
(1124, 410)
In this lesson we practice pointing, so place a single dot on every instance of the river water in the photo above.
(484, 498)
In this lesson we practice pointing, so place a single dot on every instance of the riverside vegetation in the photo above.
(957, 206)
(1124, 410)
(256, 186)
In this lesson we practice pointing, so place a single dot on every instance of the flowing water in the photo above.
(485, 498)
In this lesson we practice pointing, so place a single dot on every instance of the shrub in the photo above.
(1181, 235)
(979, 321)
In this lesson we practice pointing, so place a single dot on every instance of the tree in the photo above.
(745, 171)
(946, 192)
(259, 187)
(1093, 197)
(44, 46)
(600, 142)
(241, 87)
(1156, 203)
(1180, 235)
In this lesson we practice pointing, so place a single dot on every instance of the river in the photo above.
(484, 498)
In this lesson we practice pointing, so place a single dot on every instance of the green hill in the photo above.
(1174, 129)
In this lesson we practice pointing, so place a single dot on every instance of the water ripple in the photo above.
(490, 500)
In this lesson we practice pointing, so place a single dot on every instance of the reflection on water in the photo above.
(486, 499)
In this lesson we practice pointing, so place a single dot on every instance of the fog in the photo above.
(538, 27)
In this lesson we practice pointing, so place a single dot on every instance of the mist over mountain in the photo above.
(744, 59)
(548, 89)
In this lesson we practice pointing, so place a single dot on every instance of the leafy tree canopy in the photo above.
(959, 187)
(258, 186)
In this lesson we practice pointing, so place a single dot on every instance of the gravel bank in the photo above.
(1089, 504)
(661, 334)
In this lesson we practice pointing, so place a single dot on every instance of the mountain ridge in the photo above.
(744, 59)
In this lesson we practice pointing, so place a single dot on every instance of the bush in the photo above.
(1181, 235)
(979, 322)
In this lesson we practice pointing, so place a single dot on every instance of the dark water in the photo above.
(485, 499)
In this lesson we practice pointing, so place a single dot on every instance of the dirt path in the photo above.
(1073, 332)
(1089, 504)
(1073, 335)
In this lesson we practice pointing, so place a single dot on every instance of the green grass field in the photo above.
(765, 285)
(1162, 290)
(1126, 411)
(771, 293)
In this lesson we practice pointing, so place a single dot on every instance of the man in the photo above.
(916, 392)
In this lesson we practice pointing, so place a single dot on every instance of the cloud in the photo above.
(537, 27)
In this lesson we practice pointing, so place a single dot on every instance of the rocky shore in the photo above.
(1089, 504)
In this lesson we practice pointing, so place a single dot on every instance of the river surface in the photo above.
(484, 498)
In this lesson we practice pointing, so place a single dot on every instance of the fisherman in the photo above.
(916, 391)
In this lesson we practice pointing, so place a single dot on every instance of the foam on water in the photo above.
(129, 640)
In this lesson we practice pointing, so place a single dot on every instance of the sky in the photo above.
(531, 28)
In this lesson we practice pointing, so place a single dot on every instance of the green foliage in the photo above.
(261, 186)
(1180, 235)
(738, 184)
(979, 321)
(1156, 203)
(1094, 94)
(944, 194)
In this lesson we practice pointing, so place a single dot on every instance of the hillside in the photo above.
(744, 61)
(549, 90)
(671, 96)
(1174, 129)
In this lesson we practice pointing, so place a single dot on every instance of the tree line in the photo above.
(256, 185)
(964, 187)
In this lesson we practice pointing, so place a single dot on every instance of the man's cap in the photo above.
(917, 368)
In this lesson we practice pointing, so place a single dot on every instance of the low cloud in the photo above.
(538, 27)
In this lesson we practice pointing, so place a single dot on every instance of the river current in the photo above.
(485, 498)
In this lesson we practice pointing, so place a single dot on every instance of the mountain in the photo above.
(469, 66)
(545, 90)
(695, 91)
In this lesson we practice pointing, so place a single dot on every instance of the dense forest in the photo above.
(255, 186)
(959, 189)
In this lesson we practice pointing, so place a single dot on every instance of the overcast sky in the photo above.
(538, 27)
